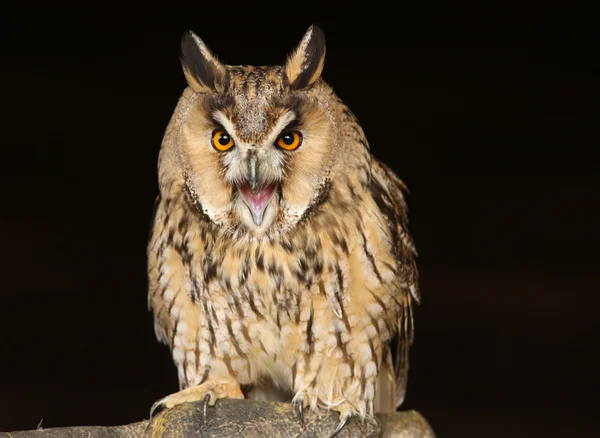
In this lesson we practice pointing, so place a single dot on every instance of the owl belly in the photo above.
(252, 330)
(255, 339)
(311, 319)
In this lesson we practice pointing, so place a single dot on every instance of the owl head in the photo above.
(254, 147)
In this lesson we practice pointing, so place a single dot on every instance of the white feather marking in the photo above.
(370, 369)
(178, 354)
(364, 352)
(191, 358)
(330, 342)
(168, 296)
(164, 280)
(344, 370)
(371, 331)
(182, 327)
(204, 358)
(370, 391)
(374, 309)
(305, 314)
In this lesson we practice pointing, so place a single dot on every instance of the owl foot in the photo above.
(209, 391)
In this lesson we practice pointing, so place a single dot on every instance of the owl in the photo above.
(280, 263)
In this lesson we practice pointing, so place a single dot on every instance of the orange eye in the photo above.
(221, 140)
(289, 140)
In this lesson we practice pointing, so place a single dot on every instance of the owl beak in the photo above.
(257, 199)
(258, 217)
(252, 168)
(255, 193)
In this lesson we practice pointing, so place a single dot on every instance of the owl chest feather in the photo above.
(270, 277)
(259, 304)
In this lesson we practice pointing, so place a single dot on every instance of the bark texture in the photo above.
(244, 418)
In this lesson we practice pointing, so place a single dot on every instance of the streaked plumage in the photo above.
(307, 298)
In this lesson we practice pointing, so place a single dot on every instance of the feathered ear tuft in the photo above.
(202, 70)
(305, 64)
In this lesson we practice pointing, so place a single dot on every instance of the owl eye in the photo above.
(221, 140)
(289, 140)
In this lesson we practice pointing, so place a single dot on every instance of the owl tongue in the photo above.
(257, 200)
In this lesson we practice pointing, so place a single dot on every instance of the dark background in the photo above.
(489, 116)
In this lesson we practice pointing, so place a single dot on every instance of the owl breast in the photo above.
(276, 306)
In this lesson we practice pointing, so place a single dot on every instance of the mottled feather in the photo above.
(274, 273)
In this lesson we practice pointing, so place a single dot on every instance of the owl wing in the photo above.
(156, 304)
(387, 191)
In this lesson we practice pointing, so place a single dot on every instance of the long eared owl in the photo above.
(280, 264)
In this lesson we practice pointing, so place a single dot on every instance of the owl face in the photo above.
(256, 143)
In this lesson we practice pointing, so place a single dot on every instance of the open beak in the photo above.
(257, 199)
(256, 195)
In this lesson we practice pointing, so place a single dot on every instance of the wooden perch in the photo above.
(247, 418)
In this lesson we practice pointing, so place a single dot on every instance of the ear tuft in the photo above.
(202, 70)
(305, 64)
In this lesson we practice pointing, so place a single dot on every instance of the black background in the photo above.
(489, 116)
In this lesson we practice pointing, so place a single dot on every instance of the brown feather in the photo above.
(388, 188)
(311, 302)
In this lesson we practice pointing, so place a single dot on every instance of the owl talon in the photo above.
(301, 412)
(299, 404)
(340, 426)
(157, 405)
(208, 398)
(209, 391)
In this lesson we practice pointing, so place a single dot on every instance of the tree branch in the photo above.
(248, 418)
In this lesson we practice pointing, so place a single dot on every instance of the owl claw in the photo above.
(158, 404)
(299, 402)
(340, 426)
(208, 398)
(301, 413)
